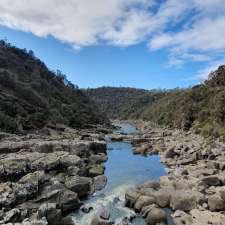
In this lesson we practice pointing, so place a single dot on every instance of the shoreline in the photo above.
(44, 176)
(37, 169)
(195, 185)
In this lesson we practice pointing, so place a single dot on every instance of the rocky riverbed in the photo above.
(47, 175)
(195, 185)
(44, 176)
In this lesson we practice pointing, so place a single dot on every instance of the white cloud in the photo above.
(192, 30)
(204, 73)
(79, 22)
(200, 38)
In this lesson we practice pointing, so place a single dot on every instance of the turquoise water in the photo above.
(124, 171)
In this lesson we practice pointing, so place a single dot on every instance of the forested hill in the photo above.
(31, 96)
(123, 103)
(201, 108)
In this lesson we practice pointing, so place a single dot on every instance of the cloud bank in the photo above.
(192, 30)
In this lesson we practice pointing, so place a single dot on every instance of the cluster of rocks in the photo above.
(195, 185)
(45, 177)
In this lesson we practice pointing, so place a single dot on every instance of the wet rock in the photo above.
(103, 218)
(99, 182)
(105, 214)
(116, 200)
(86, 210)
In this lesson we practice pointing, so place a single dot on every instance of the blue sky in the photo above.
(145, 43)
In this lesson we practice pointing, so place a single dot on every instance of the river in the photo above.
(124, 170)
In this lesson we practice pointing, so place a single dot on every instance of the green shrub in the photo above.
(7, 123)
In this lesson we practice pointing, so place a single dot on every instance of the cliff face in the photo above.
(32, 96)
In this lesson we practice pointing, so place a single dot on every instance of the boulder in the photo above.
(97, 159)
(183, 200)
(99, 182)
(211, 181)
(13, 216)
(7, 195)
(81, 185)
(163, 197)
(96, 171)
(156, 216)
(47, 162)
(50, 212)
(98, 147)
(130, 198)
(69, 201)
(70, 160)
(170, 153)
(216, 203)
(180, 217)
(12, 168)
(143, 201)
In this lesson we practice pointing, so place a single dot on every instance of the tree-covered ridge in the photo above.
(201, 108)
(123, 102)
(32, 96)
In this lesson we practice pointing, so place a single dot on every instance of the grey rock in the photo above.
(81, 185)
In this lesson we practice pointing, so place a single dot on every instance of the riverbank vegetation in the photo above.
(201, 108)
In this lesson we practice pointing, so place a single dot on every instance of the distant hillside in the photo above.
(201, 108)
(31, 96)
(123, 103)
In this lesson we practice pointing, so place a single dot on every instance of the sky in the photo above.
(146, 44)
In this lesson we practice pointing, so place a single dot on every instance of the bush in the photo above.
(7, 123)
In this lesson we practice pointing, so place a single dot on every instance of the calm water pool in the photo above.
(123, 170)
